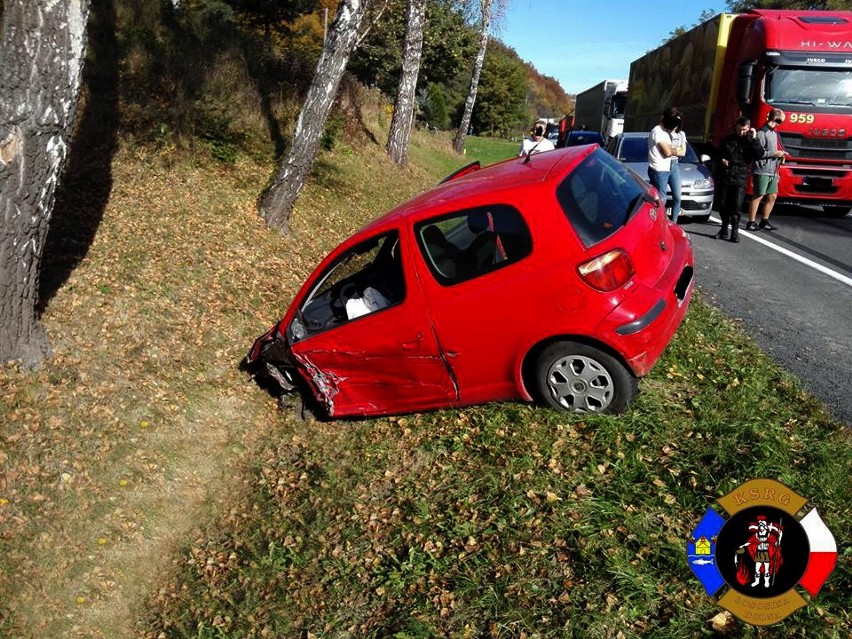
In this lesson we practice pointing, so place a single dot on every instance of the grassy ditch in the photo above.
(148, 488)
(510, 520)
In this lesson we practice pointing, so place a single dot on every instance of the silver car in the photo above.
(696, 179)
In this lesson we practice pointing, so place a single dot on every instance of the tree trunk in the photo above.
(403, 113)
(458, 144)
(41, 63)
(277, 202)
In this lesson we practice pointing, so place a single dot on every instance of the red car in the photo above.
(556, 277)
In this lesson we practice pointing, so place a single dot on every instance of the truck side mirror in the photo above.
(745, 76)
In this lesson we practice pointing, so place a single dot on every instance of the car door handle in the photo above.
(409, 346)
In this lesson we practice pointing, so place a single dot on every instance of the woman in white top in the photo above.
(661, 150)
(536, 143)
(679, 150)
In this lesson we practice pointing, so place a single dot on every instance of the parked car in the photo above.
(577, 138)
(555, 277)
(696, 179)
(553, 132)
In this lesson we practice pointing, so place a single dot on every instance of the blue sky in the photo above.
(581, 44)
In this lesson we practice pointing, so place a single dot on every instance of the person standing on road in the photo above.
(739, 151)
(678, 150)
(660, 150)
(537, 142)
(765, 173)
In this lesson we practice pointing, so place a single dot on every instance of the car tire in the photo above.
(835, 211)
(575, 377)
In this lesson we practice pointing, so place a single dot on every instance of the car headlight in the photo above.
(705, 183)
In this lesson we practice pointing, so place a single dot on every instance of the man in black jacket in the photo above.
(739, 151)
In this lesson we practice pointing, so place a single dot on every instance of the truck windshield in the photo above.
(819, 88)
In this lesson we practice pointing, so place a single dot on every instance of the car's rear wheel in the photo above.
(580, 378)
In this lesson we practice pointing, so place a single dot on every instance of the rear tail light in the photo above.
(609, 271)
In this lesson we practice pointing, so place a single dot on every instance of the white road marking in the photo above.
(799, 258)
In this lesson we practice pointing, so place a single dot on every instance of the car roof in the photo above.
(578, 134)
(470, 189)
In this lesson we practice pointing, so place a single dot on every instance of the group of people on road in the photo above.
(744, 152)
(758, 152)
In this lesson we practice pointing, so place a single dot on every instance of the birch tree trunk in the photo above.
(41, 63)
(277, 202)
(403, 113)
(458, 144)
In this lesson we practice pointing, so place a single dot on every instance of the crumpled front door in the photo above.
(385, 362)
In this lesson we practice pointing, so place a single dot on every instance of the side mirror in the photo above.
(745, 78)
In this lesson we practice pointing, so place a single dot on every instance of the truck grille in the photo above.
(818, 148)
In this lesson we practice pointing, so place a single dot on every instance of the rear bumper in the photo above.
(643, 324)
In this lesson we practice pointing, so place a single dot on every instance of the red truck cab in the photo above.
(800, 62)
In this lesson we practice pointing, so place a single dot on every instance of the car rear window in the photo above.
(599, 196)
(463, 245)
(577, 138)
(634, 150)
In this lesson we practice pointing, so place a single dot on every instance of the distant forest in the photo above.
(235, 71)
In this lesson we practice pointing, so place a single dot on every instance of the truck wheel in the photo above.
(836, 211)
(579, 378)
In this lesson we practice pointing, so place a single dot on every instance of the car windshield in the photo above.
(600, 196)
(690, 155)
(635, 149)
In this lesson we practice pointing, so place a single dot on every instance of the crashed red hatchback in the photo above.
(556, 278)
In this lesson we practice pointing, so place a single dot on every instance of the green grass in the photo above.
(489, 150)
(148, 488)
(508, 520)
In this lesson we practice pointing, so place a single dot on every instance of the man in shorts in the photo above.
(765, 173)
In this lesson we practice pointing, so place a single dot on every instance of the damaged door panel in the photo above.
(382, 363)
(362, 338)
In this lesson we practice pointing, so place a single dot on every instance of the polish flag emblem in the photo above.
(823, 555)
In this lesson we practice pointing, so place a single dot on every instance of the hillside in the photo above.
(149, 488)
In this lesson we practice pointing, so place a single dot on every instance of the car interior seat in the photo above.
(442, 252)
(482, 251)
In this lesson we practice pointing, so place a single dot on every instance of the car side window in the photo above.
(469, 243)
(366, 279)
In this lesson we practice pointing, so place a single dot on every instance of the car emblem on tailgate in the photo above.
(653, 213)
(663, 247)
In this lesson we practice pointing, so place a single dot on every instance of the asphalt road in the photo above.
(799, 315)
